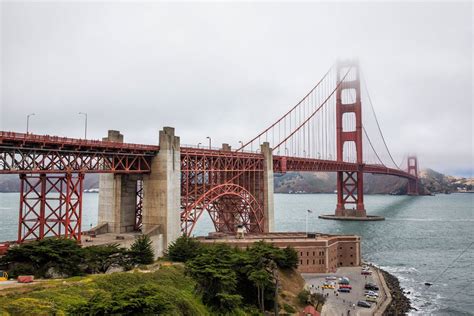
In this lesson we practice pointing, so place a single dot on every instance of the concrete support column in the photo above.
(268, 205)
(162, 191)
(117, 197)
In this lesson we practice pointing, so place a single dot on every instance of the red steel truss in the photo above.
(227, 185)
(50, 205)
(27, 153)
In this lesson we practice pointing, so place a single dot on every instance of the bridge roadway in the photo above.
(43, 154)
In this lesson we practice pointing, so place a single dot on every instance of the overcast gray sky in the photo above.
(227, 70)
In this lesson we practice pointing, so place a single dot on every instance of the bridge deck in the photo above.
(30, 153)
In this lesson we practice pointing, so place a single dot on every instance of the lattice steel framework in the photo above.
(227, 185)
(50, 206)
(350, 185)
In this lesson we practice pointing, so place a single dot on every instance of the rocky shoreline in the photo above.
(400, 304)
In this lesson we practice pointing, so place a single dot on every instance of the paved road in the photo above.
(341, 303)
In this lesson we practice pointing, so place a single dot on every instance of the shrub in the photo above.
(288, 308)
(141, 251)
(183, 249)
(303, 297)
(62, 256)
(98, 259)
(30, 306)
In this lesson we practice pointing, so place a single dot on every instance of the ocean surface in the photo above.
(419, 239)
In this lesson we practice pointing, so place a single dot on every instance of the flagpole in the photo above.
(307, 215)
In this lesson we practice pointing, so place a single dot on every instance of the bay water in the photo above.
(420, 237)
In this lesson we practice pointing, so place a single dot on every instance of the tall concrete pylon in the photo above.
(268, 205)
(117, 197)
(162, 192)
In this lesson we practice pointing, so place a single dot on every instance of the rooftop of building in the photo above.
(274, 237)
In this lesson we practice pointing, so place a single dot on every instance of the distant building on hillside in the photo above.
(317, 253)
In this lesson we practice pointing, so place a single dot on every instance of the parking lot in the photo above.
(343, 303)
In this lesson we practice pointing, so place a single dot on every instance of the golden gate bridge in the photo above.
(171, 186)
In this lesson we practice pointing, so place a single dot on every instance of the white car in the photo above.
(371, 293)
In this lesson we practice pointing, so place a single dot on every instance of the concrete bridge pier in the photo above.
(162, 193)
(117, 197)
(268, 205)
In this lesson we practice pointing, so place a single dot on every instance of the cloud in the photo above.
(227, 70)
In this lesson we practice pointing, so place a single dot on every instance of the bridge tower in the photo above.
(412, 162)
(350, 184)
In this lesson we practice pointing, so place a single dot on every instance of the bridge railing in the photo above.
(23, 137)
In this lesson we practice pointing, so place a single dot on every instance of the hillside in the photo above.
(312, 182)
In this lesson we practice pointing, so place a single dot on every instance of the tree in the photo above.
(303, 297)
(141, 251)
(57, 255)
(316, 299)
(213, 270)
(183, 249)
(261, 278)
(290, 259)
(100, 258)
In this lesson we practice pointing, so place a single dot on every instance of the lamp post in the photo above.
(241, 144)
(286, 151)
(85, 127)
(209, 141)
(28, 122)
(199, 145)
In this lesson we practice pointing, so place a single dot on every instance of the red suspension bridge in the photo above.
(169, 186)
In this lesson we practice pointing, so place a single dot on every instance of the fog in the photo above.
(227, 70)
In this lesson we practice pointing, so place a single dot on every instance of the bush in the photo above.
(61, 256)
(30, 306)
(141, 251)
(289, 309)
(98, 259)
(183, 249)
(303, 297)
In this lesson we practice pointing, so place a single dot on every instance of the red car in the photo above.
(366, 272)
(345, 286)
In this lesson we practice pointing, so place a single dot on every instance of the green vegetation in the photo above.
(141, 251)
(229, 277)
(53, 257)
(215, 279)
(166, 292)
(183, 249)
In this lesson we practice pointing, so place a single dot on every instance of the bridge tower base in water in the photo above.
(350, 184)
(413, 170)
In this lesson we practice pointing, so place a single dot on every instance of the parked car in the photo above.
(364, 304)
(344, 290)
(372, 293)
(329, 286)
(331, 278)
(345, 286)
(371, 286)
(366, 272)
(344, 280)
(371, 299)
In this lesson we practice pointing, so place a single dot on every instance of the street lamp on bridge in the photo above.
(209, 141)
(28, 121)
(286, 151)
(241, 144)
(85, 127)
(198, 145)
